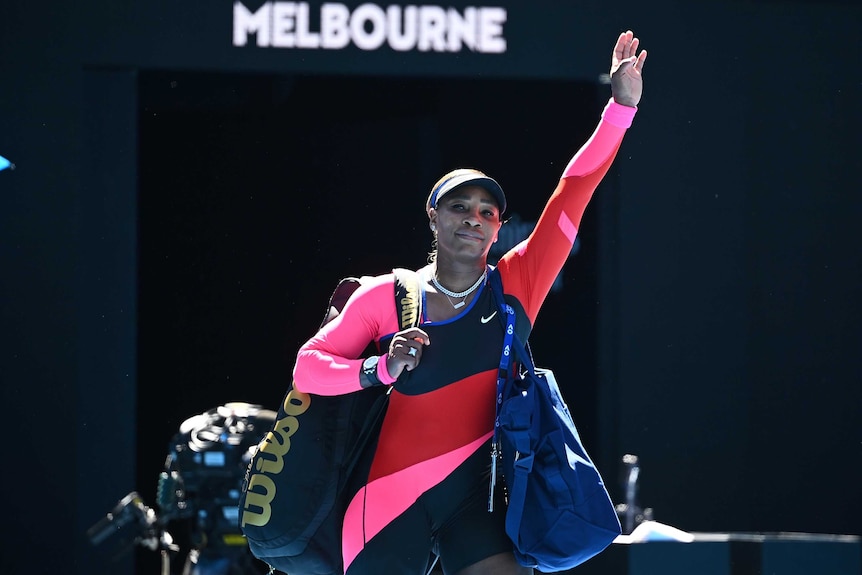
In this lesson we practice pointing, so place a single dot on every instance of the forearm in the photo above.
(537, 262)
(330, 363)
(322, 374)
(604, 141)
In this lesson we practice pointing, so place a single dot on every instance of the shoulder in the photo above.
(507, 270)
(373, 303)
(373, 285)
(377, 280)
(517, 286)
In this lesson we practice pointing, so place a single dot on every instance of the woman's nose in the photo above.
(473, 219)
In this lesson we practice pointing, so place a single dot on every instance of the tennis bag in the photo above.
(299, 480)
(559, 513)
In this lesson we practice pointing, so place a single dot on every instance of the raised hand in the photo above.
(626, 70)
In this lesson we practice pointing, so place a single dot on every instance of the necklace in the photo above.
(461, 294)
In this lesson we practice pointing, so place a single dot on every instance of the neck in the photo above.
(462, 295)
(456, 279)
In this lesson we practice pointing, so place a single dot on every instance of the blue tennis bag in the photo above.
(559, 512)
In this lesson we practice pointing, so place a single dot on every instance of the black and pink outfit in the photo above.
(427, 488)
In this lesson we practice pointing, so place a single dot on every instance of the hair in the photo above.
(432, 255)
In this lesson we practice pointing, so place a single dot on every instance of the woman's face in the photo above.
(467, 221)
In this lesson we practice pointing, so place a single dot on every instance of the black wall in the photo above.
(739, 330)
(726, 263)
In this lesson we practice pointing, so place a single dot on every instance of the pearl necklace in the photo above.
(463, 294)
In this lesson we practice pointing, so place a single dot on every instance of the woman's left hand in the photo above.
(626, 70)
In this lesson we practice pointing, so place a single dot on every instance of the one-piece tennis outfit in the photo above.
(427, 488)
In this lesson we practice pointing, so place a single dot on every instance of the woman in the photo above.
(427, 490)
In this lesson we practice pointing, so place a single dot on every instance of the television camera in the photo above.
(199, 486)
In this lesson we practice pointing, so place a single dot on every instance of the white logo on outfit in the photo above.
(484, 319)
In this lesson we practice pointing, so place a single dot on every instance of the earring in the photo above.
(433, 228)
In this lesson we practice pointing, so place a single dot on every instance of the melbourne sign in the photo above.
(334, 26)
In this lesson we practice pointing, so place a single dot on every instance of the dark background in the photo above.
(233, 272)
(181, 209)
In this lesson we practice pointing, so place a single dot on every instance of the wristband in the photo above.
(619, 115)
(383, 372)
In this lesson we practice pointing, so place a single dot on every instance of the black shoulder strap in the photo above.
(408, 297)
(339, 297)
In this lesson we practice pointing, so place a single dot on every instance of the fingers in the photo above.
(406, 348)
(626, 60)
(626, 46)
(639, 64)
(635, 64)
(619, 48)
(414, 333)
(406, 353)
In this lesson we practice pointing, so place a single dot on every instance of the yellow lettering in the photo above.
(277, 444)
(259, 498)
(270, 459)
(296, 402)
(408, 307)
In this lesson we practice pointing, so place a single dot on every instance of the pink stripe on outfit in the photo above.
(567, 226)
(384, 499)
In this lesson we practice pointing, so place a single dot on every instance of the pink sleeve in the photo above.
(616, 118)
(329, 363)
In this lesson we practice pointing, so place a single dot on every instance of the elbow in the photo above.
(297, 385)
(300, 375)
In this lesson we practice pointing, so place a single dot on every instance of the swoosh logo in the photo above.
(487, 319)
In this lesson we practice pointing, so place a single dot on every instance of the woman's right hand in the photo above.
(405, 350)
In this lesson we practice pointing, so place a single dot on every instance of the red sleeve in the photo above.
(529, 269)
